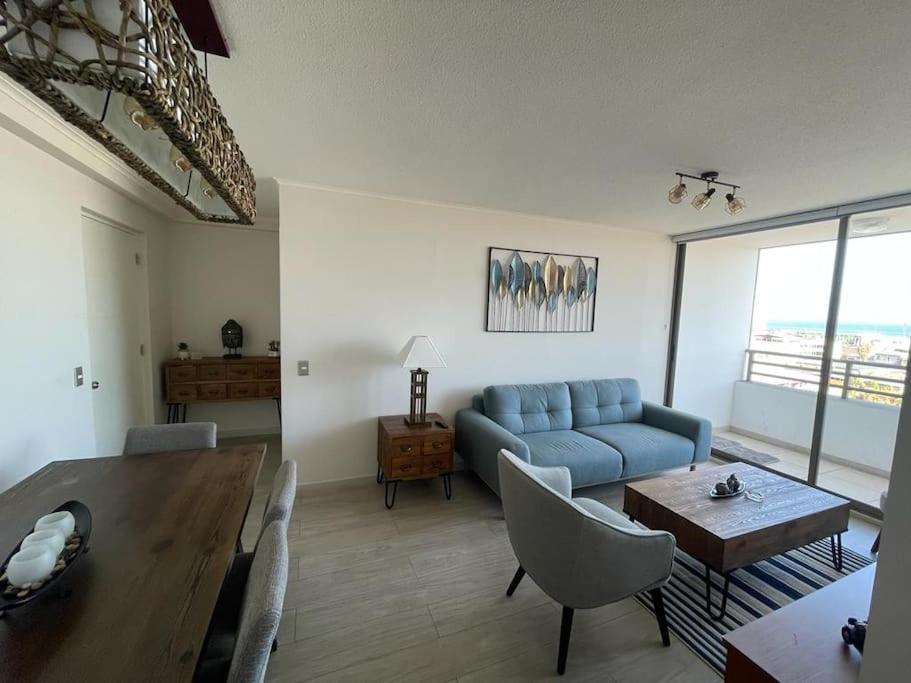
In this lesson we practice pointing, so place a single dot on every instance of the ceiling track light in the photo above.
(733, 204)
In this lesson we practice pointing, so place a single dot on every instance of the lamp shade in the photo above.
(420, 352)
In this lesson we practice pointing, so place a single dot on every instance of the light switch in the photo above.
(303, 368)
(78, 377)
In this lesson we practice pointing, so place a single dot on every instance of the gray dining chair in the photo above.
(261, 609)
(173, 437)
(579, 551)
(244, 623)
(281, 496)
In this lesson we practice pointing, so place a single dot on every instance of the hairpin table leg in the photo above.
(395, 487)
(708, 595)
(447, 486)
(837, 557)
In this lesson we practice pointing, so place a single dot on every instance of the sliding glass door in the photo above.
(751, 334)
(794, 342)
(870, 357)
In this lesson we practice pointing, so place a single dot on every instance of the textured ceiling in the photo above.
(581, 110)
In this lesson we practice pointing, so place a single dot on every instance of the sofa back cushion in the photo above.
(605, 401)
(528, 408)
(477, 402)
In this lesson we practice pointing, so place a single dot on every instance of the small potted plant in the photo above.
(183, 351)
(274, 349)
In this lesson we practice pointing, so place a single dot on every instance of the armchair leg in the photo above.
(692, 468)
(566, 626)
(520, 573)
(658, 602)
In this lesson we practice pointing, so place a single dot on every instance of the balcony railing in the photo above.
(850, 378)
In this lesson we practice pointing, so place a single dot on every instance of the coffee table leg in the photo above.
(837, 557)
(708, 595)
(395, 487)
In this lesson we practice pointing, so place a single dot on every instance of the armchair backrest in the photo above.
(576, 558)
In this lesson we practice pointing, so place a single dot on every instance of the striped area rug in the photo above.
(754, 591)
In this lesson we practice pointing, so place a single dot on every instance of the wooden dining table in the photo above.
(137, 605)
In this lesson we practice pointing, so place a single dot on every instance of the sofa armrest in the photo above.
(478, 440)
(696, 429)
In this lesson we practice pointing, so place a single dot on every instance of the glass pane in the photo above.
(752, 326)
(870, 357)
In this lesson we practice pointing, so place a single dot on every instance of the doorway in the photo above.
(117, 314)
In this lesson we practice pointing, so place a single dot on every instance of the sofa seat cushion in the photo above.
(644, 449)
(589, 461)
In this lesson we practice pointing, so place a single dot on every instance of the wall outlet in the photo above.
(78, 377)
(303, 368)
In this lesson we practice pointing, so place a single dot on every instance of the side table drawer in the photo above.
(437, 444)
(404, 467)
(212, 392)
(241, 371)
(181, 393)
(437, 464)
(181, 373)
(270, 389)
(243, 390)
(403, 447)
(209, 371)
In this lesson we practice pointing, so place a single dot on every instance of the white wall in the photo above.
(216, 273)
(43, 327)
(886, 649)
(856, 431)
(361, 274)
(716, 312)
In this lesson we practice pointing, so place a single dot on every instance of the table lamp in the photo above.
(420, 353)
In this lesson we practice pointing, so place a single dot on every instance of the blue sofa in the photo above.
(600, 429)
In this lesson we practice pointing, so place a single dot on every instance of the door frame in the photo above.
(147, 384)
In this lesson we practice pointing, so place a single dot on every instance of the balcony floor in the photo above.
(834, 476)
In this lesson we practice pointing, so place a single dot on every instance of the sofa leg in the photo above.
(660, 615)
(566, 626)
(692, 468)
(520, 573)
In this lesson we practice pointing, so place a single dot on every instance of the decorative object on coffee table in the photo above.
(729, 533)
(274, 349)
(183, 351)
(418, 354)
(406, 452)
(532, 291)
(232, 338)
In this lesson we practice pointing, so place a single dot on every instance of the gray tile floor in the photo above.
(417, 593)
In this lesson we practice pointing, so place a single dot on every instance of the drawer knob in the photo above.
(437, 444)
(404, 467)
(405, 449)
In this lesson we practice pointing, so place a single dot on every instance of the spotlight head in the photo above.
(703, 199)
(677, 193)
(734, 205)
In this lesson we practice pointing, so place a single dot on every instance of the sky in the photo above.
(793, 281)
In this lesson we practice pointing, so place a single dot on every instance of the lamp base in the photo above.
(417, 422)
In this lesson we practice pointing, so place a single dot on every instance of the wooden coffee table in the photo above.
(728, 533)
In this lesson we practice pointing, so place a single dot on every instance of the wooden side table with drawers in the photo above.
(220, 379)
(404, 453)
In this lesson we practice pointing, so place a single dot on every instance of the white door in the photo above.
(114, 306)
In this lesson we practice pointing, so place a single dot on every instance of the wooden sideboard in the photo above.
(214, 379)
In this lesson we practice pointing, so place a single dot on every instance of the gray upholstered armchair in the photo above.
(579, 551)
